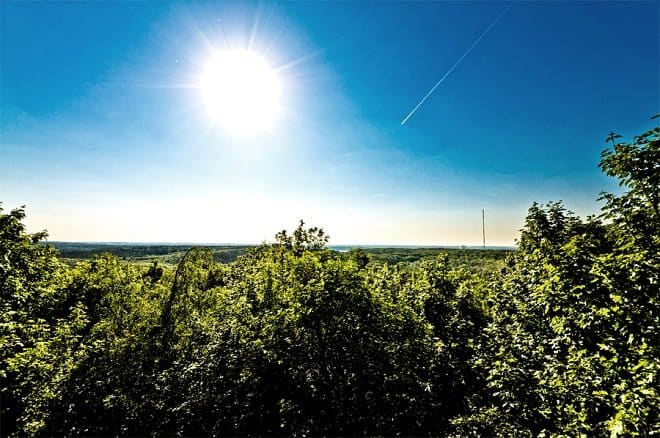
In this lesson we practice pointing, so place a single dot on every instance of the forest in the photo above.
(557, 338)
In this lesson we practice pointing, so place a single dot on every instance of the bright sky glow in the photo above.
(240, 91)
(229, 121)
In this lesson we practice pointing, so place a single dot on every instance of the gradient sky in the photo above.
(103, 139)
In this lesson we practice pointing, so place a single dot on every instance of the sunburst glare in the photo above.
(240, 91)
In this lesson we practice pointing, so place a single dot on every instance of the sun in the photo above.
(241, 92)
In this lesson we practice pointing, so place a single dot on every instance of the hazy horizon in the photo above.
(330, 244)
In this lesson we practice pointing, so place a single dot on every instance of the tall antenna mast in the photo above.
(483, 226)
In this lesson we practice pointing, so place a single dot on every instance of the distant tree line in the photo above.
(74, 251)
(481, 261)
(294, 339)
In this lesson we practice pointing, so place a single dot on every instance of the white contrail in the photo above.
(483, 34)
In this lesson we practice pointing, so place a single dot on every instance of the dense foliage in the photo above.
(294, 339)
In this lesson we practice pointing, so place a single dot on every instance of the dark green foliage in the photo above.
(306, 343)
(30, 312)
(154, 273)
(635, 213)
(302, 239)
(573, 347)
(112, 386)
(360, 257)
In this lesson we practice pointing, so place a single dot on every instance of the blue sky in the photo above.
(104, 139)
